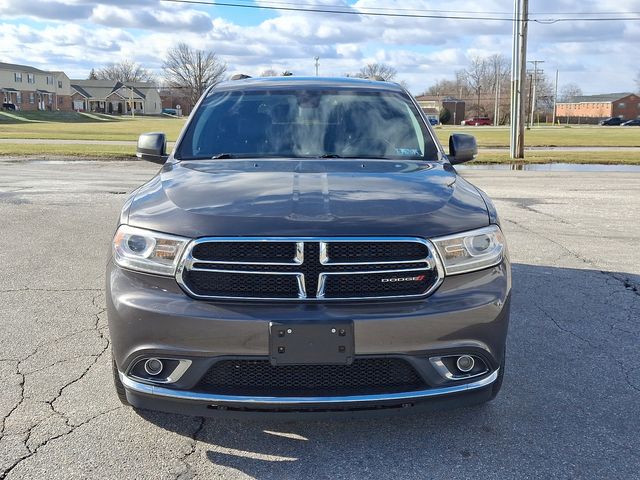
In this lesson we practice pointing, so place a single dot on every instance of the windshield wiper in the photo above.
(221, 156)
(330, 155)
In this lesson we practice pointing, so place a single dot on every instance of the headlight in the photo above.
(147, 251)
(470, 251)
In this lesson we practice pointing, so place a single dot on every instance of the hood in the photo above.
(276, 197)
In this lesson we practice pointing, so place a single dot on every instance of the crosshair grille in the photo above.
(309, 268)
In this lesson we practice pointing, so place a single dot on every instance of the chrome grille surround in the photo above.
(431, 263)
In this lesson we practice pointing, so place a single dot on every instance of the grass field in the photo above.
(559, 136)
(124, 151)
(73, 126)
(122, 128)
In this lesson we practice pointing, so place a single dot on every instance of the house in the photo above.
(30, 88)
(434, 105)
(591, 108)
(109, 96)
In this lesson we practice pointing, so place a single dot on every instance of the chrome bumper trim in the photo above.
(171, 394)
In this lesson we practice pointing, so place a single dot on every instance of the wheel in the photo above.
(122, 396)
(497, 385)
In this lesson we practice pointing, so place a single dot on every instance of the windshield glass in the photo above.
(307, 123)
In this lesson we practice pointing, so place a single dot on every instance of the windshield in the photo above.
(307, 123)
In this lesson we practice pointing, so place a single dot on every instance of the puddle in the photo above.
(552, 167)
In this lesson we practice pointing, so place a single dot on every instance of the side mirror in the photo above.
(462, 148)
(152, 147)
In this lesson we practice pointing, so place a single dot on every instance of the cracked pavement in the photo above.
(569, 407)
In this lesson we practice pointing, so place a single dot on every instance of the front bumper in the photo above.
(152, 316)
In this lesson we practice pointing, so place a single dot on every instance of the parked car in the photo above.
(611, 121)
(308, 246)
(476, 121)
(169, 111)
(632, 123)
(433, 120)
(9, 106)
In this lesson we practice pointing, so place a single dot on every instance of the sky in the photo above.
(77, 35)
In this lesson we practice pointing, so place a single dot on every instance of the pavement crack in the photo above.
(598, 348)
(72, 428)
(17, 405)
(625, 281)
(187, 473)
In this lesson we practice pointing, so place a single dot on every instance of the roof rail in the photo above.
(239, 76)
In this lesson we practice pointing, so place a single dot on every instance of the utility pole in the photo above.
(518, 72)
(497, 88)
(555, 99)
(533, 88)
(317, 59)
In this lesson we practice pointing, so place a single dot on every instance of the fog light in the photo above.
(153, 366)
(465, 363)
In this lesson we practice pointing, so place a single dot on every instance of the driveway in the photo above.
(569, 407)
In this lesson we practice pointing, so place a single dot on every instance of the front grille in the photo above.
(224, 284)
(270, 252)
(260, 378)
(307, 269)
(373, 252)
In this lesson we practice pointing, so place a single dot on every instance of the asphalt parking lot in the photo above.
(569, 406)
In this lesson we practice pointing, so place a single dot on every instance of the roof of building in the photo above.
(21, 68)
(101, 89)
(602, 98)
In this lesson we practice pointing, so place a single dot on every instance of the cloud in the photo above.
(76, 35)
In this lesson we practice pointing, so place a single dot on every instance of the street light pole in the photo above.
(533, 88)
(555, 99)
(317, 59)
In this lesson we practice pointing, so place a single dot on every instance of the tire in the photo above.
(497, 385)
(120, 391)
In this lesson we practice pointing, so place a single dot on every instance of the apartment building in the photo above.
(113, 97)
(595, 107)
(30, 88)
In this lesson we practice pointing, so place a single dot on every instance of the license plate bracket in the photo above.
(310, 343)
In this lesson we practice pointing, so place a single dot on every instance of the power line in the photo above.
(335, 10)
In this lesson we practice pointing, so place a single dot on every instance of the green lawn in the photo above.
(122, 128)
(559, 136)
(128, 152)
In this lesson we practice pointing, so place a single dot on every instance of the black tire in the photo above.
(122, 396)
(497, 385)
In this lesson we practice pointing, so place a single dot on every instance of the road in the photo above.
(569, 407)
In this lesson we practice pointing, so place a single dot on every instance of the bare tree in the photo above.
(378, 70)
(125, 71)
(476, 75)
(92, 75)
(193, 70)
(569, 92)
(270, 72)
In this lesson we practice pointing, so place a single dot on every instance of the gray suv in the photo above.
(307, 247)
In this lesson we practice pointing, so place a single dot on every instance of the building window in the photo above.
(19, 97)
(621, 105)
(17, 77)
(59, 83)
(32, 98)
(49, 79)
(31, 78)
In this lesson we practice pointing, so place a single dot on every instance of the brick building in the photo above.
(591, 108)
(30, 88)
